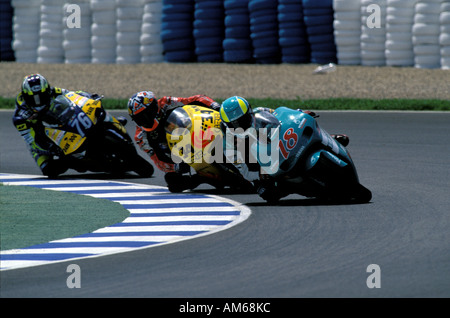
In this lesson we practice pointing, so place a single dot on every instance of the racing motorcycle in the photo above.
(194, 137)
(90, 139)
(306, 160)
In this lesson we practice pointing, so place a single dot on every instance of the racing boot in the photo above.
(342, 139)
(177, 182)
(53, 168)
(77, 162)
(270, 191)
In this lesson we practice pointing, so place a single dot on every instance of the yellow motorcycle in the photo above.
(194, 138)
(90, 139)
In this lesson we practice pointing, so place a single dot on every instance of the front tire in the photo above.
(142, 167)
(361, 194)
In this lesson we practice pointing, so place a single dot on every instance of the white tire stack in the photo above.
(373, 32)
(77, 38)
(399, 22)
(129, 23)
(103, 31)
(150, 40)
(426, 31)
(26, 21)
(347, 31)
(50, 48)
(444, 37)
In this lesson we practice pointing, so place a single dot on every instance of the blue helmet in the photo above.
(236, 112)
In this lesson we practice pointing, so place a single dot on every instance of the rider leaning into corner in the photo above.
(30, 117)
(237, 116)
(150, 115)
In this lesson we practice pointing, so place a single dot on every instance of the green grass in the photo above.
(32, 216)
(356, 104)
(7, 103)
(315, 104)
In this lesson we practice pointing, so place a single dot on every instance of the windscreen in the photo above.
(179, 118)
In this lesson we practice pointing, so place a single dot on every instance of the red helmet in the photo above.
(144, 109)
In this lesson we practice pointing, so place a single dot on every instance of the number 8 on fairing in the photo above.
(291, 139)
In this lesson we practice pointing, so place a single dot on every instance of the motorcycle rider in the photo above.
(237, 113)
(150, 115)
(30, 115)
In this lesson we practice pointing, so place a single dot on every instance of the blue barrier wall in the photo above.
(347, 32)
(6, 31)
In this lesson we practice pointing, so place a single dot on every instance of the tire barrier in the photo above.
(373, 39)
(413, 33)
(318, 16)
(237, 44)
(151, 46)
(177, 30)
(51, 31)
(103, 31)
(26, 27)
(128, 36)
(426, 31)
(264, 31)
(292, 36)
(399, 21)
(77, 42)
(347, 31)
(444, 37)
(209, 30)
(6, 31)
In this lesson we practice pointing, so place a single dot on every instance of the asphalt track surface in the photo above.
(300, 247)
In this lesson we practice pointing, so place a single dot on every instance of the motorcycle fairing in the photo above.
(202, 126)
(81, 117)
(298, 134)
(315, 157)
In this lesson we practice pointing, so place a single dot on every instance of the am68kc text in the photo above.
(225, 308)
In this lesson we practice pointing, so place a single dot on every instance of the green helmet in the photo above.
(236, 112)
(36, 92)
